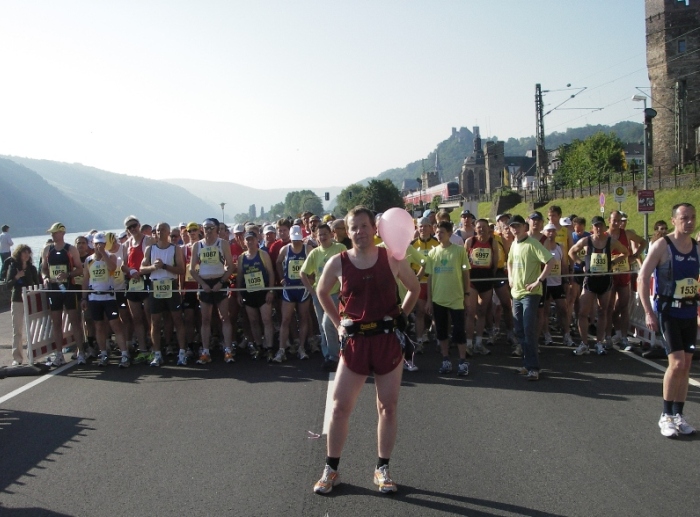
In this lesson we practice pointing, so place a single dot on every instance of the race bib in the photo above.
(163, 288)
(99, 273)
(78, 280)
(481, 257)
(599, 263)
(294, 269)
(254, 281)
(556, 268)
(118, 276)
(621, 267)
(136, 284)
(209, 255)
(686, 288)
(54, 271)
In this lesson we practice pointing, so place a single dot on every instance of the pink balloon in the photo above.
(396, 230)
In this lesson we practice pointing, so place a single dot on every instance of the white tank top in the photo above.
(211, 259)
(168, 257)
(100, 279)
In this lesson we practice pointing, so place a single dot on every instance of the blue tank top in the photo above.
(578, 268)
(670, 279)
(291, 266)
(254, 273)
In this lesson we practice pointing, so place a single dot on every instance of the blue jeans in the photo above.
(330, 343)
(525, 328)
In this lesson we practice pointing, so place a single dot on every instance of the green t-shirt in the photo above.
(526, 259)
(316, 261)
(445, 267)
(414, 258)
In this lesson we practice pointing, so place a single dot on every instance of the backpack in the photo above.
(5, 268)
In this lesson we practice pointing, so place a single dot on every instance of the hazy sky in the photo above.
(295, 92)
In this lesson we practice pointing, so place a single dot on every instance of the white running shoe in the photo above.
(582, 349)
(481, 349)
(600, 349)
(568, 341)
(683, 426)
(668, 426)
(409, 366)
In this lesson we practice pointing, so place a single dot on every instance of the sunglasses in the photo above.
(132, 226)
(174, 236)
(207, 228)
(192, 231)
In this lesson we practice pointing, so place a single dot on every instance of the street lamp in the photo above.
(649, 114)
(222, 212)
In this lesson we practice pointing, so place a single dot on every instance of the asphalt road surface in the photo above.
(237, 440)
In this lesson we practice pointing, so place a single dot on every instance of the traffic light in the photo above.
(328, 196)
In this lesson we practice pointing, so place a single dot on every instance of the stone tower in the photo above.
(472, 180)
(673, 61)
(494, 163)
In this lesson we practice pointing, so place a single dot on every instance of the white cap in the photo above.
(550, 226)
(565, 221)
(99, 237)
(295, 233)
(238, 228)
(269, 228)
(121, 235)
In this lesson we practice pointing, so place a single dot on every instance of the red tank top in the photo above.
(135, 255)
(368, 294)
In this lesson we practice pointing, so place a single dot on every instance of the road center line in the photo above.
(659, 367)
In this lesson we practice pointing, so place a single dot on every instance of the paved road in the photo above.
(234, 440)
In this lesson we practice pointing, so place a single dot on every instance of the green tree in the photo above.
(277, 211)
(381, 195)
(435, 203)
(595, 159)
(348, 198)
(299, 201)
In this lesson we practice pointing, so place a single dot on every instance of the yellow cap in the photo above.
(57, 227)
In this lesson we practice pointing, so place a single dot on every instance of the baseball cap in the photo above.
(269, 228)
(423, 221)
(295, 233)
(499, 216)
(623, 216)
(327, 218)
(238, 228)
(192, 226)
(535, 215)
(250, 234)
(182, 225)
(130, 219)
(549, 226)
(121, 235)
(566, 221)
(516, 219)
(57, 227)
(99, 237)
(428, 212)
(466, 213)
(597, 220)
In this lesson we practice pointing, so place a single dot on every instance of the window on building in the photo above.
(681, 46)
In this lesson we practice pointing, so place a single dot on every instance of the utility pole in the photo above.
(541, 150)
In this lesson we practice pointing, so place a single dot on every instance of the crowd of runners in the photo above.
(201, 290)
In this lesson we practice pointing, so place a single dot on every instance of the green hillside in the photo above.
(588, 206)
(458, 146)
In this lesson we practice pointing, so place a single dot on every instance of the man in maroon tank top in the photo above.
(370, 312)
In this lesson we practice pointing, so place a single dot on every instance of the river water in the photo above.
(38, 242)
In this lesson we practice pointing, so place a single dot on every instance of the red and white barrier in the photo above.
(38, 326)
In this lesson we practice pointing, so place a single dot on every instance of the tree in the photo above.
(592, 160)
(299, 201)
(276, 211)
(380, 196)
(348, 198)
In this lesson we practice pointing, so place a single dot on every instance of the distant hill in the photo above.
(452, 151)
(95, 198)
(30, 204)
(239, 197)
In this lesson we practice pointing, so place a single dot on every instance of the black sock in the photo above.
(332, 462)
(382, 461)
(668, 407)
(678, 408)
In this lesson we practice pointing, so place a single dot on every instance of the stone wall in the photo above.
(669, 24)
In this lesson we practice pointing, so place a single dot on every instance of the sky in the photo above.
(274, 94)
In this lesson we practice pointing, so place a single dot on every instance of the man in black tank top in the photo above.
(60, 264)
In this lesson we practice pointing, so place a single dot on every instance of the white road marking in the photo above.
(36, 382)
(659, 367)
(329, 403)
